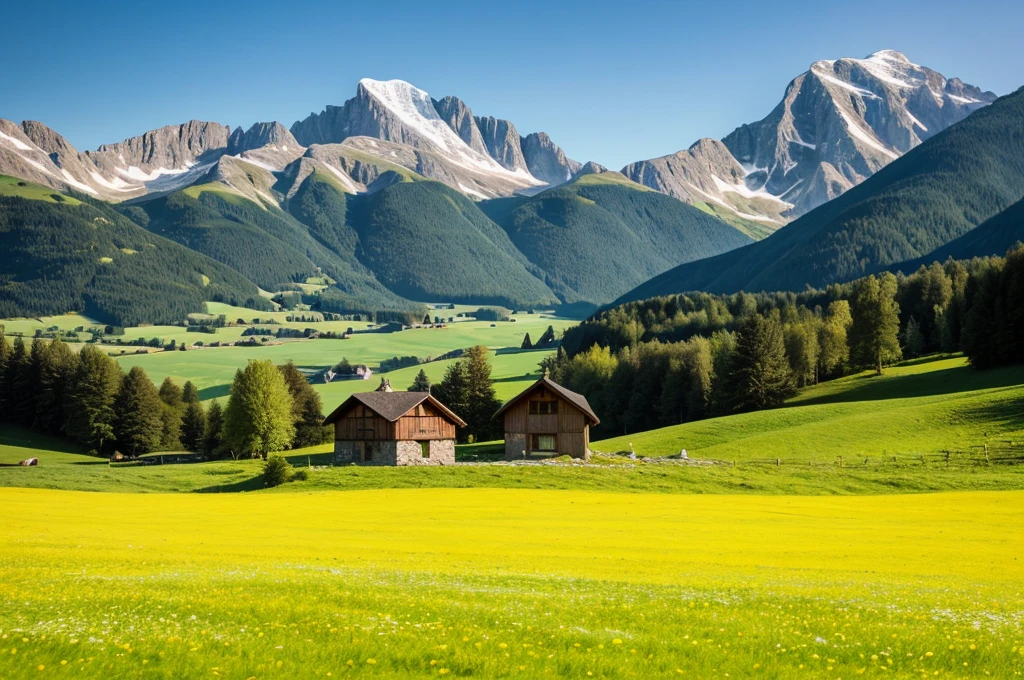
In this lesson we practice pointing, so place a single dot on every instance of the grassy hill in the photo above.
(932, 195)
(601, 234)
(925, 407)
(62, 254)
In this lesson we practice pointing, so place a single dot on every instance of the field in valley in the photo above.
(212, 369)
(622, 568)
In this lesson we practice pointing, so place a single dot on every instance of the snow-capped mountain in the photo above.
(481, 157)
(838, 123)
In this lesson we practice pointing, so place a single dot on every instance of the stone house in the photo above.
(385, 427)
(545, 420)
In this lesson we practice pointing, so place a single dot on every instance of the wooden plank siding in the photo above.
(423, 423)
(569, 425)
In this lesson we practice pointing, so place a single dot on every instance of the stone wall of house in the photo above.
(440, 452)
(515, 445)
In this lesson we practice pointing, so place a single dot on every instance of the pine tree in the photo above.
(89, 401)
(913, 339)
(5, 358)
(56, 369)
(258, 418)
(759, 376)
(193, 426)
(527, 344)
(547, 338)
(453, 392)
(139, 423)
(874, 334)
(480, 397)
(426, 319)
(171, 396)
(189, 393)
(307, 409)
(421, 383)
(18, 379)
(213, 437)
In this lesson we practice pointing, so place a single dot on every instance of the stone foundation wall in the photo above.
(440, 452)
(515, 445)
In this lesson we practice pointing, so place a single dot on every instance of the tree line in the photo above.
(674, 359)
(86, 397)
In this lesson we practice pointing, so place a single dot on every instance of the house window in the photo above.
(425, 449)
(543, 408)
(544, 442)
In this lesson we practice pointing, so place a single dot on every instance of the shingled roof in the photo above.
(574, 398)
(392, 405)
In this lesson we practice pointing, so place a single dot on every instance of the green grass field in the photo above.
(926, 407)
(12, 186)
(212, 369)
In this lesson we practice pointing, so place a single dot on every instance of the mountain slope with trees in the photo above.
(992, 237)
(71, 255)
(934, 194)
(601, 234)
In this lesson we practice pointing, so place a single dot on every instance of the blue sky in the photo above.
(610, 81)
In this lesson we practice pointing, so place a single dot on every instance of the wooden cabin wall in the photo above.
(423, 423)
(570, 424)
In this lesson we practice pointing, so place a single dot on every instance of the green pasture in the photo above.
(925, 407)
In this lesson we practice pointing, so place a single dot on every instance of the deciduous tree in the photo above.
(258, 418)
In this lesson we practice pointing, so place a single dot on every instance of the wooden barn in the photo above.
(394, 428)
(547, 420)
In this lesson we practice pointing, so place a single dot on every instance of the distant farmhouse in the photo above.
(385, 427)
(547, 420)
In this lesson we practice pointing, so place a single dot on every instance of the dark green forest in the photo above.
(672, 359)
(90, 259)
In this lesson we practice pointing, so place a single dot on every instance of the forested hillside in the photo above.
(602, 234)
(994, 236)
(62, 255)
(671, 359)
(934, 194)
(426, 241)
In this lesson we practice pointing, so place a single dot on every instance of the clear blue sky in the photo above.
(610, 81)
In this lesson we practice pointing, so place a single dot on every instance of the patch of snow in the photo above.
(69, 178)
(38, 166)
(345, 179)
(257, 163)
(18, 144)
(892, 68)
(804, 144)
(117, 184)
(843, 84)
(744, 191)
(963, 100)
(414, 108)
(863, 135)
(915, 121)
(466, 190)
(139, 175)
(715, 199)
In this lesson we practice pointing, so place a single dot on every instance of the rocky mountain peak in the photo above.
(838, 123)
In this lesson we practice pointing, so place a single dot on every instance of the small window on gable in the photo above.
(543, 408)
